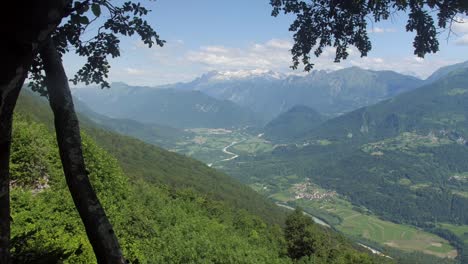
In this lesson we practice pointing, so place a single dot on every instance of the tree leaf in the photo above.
(84, 20)
(96, 8)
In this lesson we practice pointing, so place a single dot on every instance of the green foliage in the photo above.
(308, 243)
(403, 159)
(320, 24)
(398, 158)
(154, 223)
(201, 217)
(31, 157)
(300, 235)
(124, 20)
(141, 161)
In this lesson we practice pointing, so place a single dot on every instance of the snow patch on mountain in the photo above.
(243, 74)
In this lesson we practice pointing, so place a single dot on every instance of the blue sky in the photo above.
(208, 35)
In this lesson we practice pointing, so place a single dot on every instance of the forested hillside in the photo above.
(164, 207)
(155, 134)
(292, 124)
(155, 224)
(141, 161)
(403, 159)
(168, 107)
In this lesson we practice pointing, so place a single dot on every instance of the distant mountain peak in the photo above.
(444, 71)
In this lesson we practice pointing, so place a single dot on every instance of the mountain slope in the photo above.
(169, 107)
(141, 161)
(292, 124)
(442, 72)
(155, 223)
(403, 159)
(160, 135)
(330, 93)
(434, 107)
(415, 139)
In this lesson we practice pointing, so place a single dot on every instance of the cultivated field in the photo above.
(358, 223)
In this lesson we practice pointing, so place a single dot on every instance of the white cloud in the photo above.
(134, 71)
(382, 30)
(153, 66)
(176, 62)
(410, 65)
(279, 44)
(273, 54)
(462, 41)
(217, 49)
(377, 30)
(461, 26)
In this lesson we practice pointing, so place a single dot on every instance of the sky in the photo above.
(207, 35)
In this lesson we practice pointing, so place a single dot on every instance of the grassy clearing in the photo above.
(359, 224)
(282, 196)
(207, 144)
(254, 145)
(457, 91)
(459, 230)
(405, 142)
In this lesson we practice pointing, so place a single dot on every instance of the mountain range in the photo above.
(245, 98)
(166, 107)
(333, 93)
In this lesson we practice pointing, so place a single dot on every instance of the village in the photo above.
(306, 190)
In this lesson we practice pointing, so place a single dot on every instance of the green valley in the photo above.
(332, 175)
(234, 132)
(165, 208)
(397, 167)
(357, 223)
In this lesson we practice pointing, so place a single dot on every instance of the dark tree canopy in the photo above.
(124, 20)
(343, 23)
(302, 237)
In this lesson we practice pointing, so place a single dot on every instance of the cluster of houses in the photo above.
(306, 190)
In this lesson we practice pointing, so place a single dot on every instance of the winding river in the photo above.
(322, 223)
(316, 220)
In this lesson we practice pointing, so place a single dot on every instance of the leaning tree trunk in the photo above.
(98, 228)
(8, 96)
(25, 25)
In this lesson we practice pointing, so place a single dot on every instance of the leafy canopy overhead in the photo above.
(96, 44)
(343, 23)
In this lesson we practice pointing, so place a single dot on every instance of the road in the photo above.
(225, 150)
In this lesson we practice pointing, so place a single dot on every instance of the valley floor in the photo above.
(217, 147)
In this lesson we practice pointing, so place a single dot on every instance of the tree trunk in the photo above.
(25, 25)
(8, 97)
(98, 228)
